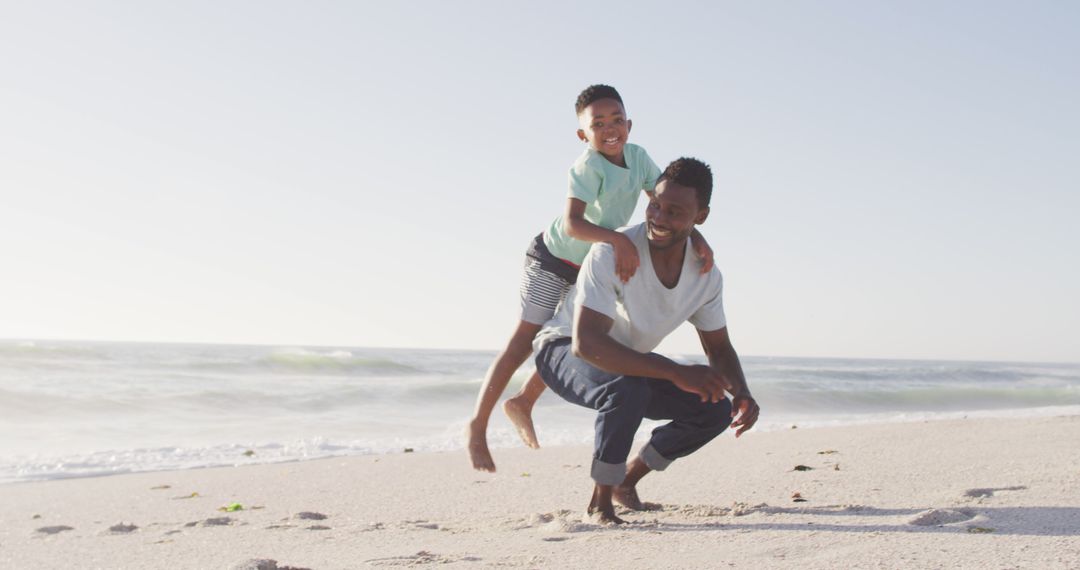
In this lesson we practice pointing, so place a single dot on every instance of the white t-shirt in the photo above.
(644, 311)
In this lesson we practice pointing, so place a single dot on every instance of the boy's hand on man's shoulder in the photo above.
(703, 251)
(626, 257)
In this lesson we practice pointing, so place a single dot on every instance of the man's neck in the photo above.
(668, 262)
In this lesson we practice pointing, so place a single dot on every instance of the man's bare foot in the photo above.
(520, 414)
(605, 517)
(628, 497)
(478, 450)
(600, 507)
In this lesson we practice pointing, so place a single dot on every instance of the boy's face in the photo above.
(672, 213)
(603, 124)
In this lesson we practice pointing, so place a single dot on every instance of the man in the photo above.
(596, 351)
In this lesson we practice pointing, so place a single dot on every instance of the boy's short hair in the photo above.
(693, 173)
(595, 93)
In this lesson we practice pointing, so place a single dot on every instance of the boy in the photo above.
(604, 185)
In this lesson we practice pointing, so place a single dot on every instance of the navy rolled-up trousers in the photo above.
(621, 402)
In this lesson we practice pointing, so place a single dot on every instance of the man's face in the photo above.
(603, 124)
(672, 213)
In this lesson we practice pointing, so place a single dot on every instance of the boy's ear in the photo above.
(701, 217)
(581, 135)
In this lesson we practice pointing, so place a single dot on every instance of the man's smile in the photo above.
(659, 232)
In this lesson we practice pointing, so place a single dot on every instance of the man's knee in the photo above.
(628, 392)
(716, 416)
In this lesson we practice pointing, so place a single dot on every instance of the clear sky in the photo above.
(892, 179)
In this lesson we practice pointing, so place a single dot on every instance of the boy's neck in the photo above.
(619, 160)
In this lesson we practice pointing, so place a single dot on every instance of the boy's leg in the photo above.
(498, 376)
(541, 291)
(519, 409)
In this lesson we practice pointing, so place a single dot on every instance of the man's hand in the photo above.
(703, 251)
(745, 411)
(700, 380)
(626, 257)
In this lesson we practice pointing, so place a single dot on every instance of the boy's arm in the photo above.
(703, 251)
(725, 361)
(592, 343)
(626, 256)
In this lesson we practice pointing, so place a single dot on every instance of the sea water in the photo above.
(73, 409)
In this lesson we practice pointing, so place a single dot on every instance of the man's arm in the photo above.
(592, 343)
(725, 361)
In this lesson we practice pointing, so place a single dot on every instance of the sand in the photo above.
(975, 493)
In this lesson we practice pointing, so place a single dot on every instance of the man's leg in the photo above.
(694, 423)
(620, 402)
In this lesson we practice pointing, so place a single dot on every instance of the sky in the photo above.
(893, 180)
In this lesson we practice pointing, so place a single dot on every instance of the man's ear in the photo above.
(581, 135)
(702, 215)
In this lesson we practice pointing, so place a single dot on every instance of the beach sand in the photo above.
(974, 493)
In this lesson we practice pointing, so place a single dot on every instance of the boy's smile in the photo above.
(605, 127)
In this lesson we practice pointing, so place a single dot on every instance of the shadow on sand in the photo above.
(975, 519)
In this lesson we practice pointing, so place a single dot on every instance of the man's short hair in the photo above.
(594, 93)
(693, 173)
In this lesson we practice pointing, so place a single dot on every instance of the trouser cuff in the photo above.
(653, 459)
(608, 473)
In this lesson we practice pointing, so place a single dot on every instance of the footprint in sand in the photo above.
(263, 564)
(122, 528)
(563, 521)
(422, 557)
(940, 517)
(985, 492)
(737, 509)
(420, 524)
(50, 530)
(216, 521)
(312, 516)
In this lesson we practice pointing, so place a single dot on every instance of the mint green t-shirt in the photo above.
(610, 194)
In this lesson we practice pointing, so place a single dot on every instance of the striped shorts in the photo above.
(544, 283)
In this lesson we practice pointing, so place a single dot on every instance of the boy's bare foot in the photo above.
(628, 497)
(478, 450)
(520, 415)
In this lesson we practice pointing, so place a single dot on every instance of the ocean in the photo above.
(78, 409)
